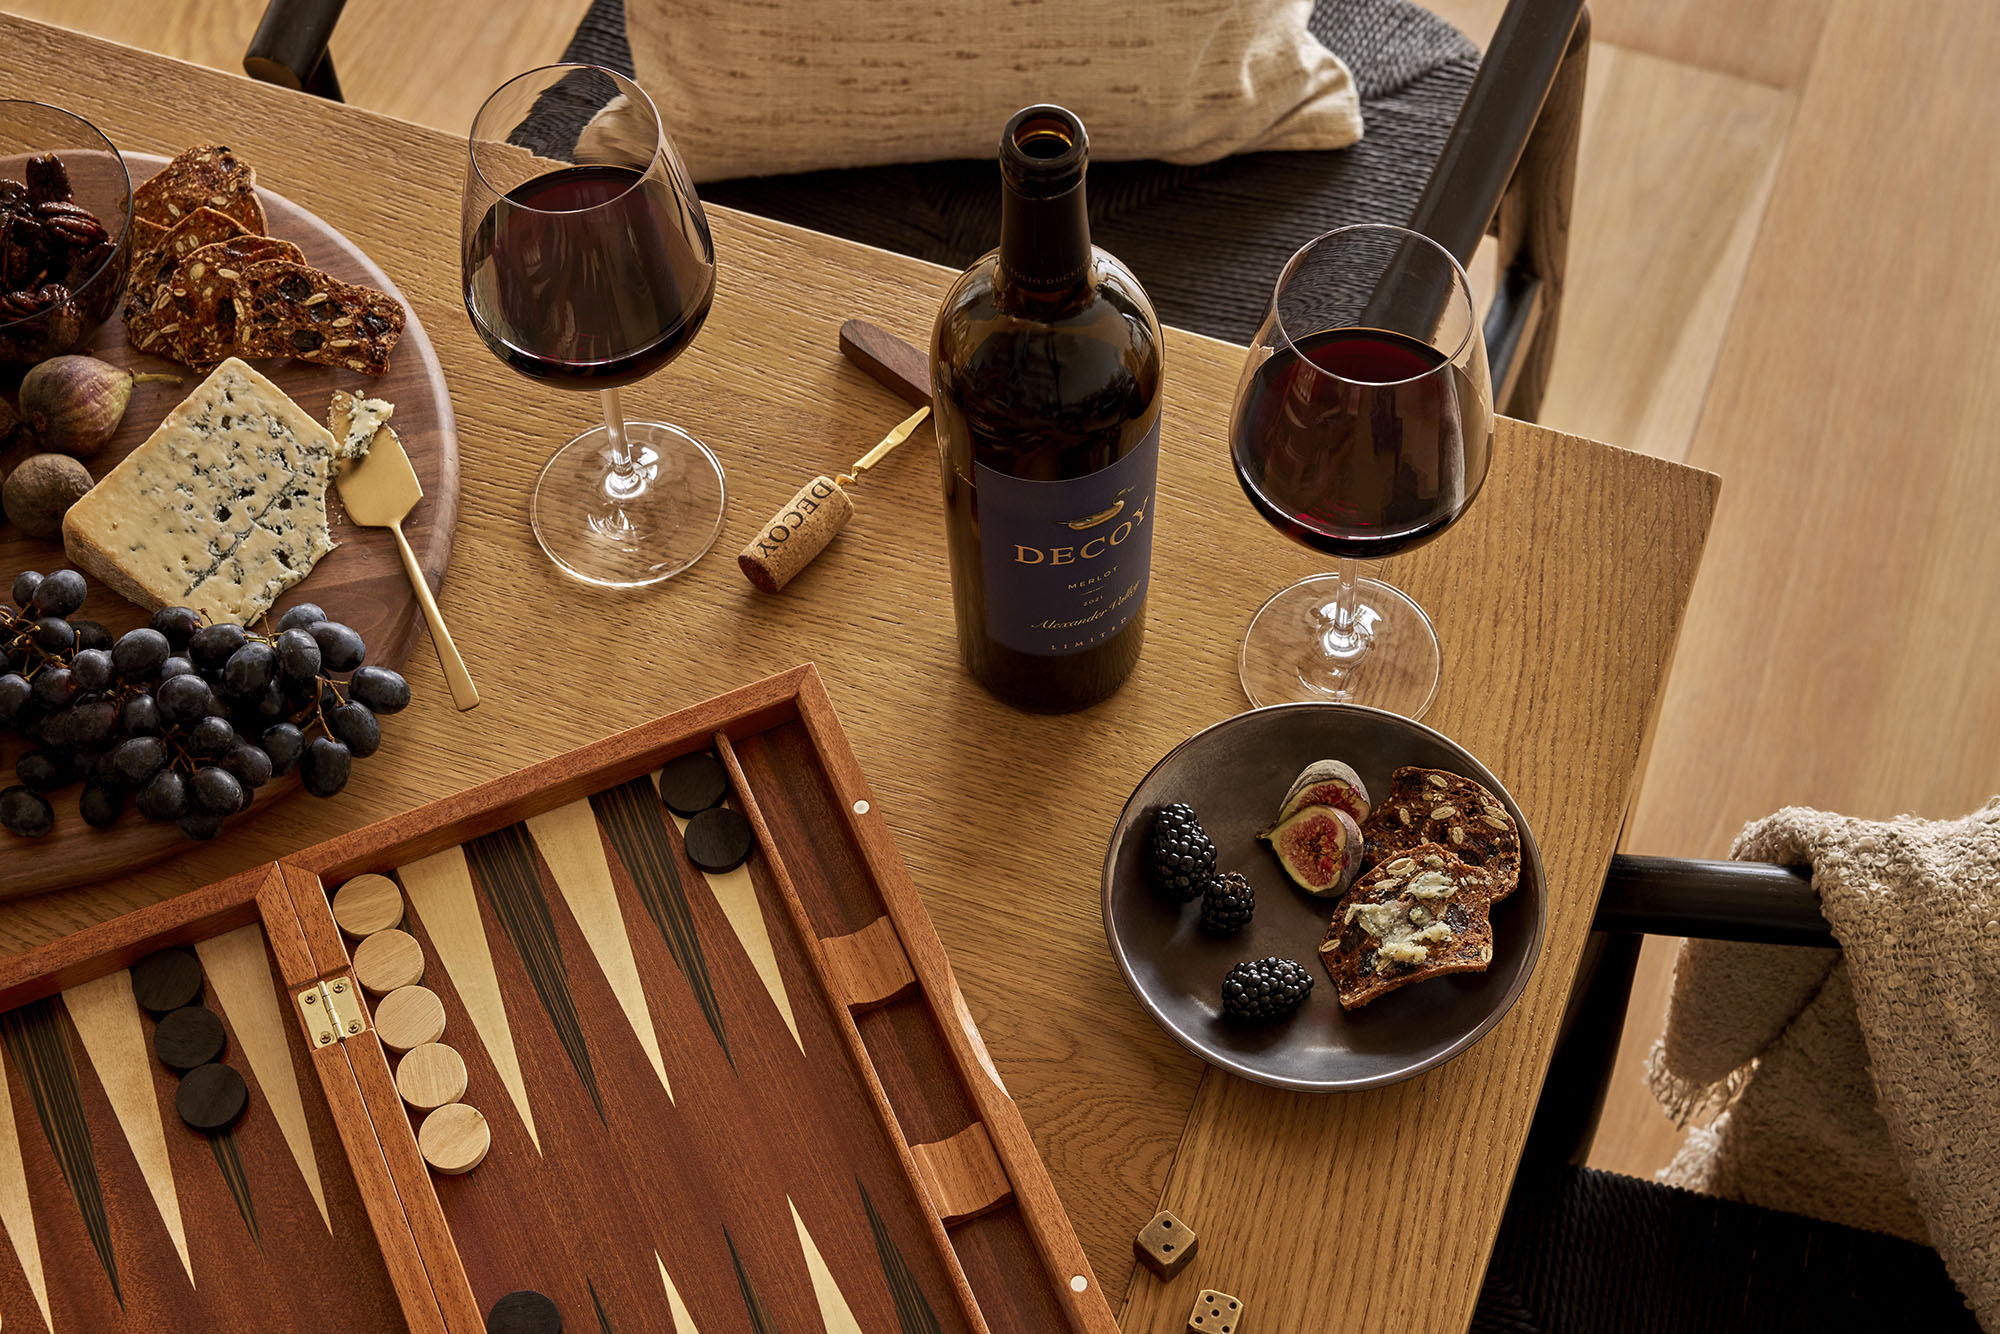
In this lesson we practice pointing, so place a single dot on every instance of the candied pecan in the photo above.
(48, 180)
(13, 196)
(72, 223)
(21, 305)
(24, 252)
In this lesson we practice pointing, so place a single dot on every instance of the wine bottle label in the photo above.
(1066, 563)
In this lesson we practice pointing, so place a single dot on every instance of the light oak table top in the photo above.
(1558, 599)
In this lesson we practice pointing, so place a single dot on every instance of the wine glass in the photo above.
(1363, 427)
(587, 264)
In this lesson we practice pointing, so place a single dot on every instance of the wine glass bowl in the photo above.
(100, 183)
(588, 264)
(1362, 428)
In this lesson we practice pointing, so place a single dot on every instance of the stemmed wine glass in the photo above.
(1363, 427)
(587, 264)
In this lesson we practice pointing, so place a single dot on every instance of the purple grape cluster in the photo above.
(184, 718)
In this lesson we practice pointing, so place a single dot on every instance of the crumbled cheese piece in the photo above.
(366, 416)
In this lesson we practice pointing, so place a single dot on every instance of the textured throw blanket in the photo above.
(1859, 1085)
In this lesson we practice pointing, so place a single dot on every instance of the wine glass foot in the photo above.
(1292, 652)
(630, 529)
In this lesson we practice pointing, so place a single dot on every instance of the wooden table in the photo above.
(1558, 600)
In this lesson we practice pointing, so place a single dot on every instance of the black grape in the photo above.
(91, 723)
(15, 697)
(250, 765)
(26, 813)
(178, 624)
(56, 688)
(54, 636)
(176, 666)
(340, 649)
(92, 667)
(135, 760)
(354, 726)
(45, 770)
(212, 645)
(164, 797)
(183, 699)
(215, 791)
(286, 745)
(249, 670)
(25, 584)
(139, 716)
(200, 825)
(302, 617)
(327, 765)
(382, 690)
(100, 805)
(298, 655)
(139, 654)
(211, 736)
(60, 594)
(90, 634)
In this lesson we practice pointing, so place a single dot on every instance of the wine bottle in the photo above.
(1045, 378)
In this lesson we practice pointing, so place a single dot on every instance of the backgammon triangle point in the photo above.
(17, 1214)
(683, 1322)
(573, 846)
(833, 1307)
(106, 1016)
(736, 895)
(239, 974)
(440, 890)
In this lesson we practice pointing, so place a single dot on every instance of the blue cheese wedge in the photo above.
(222, 509)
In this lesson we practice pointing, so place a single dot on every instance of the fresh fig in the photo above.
(1319, 847)
(73, 404)
(1325, 783)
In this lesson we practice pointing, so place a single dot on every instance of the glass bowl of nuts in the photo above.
(65, 208)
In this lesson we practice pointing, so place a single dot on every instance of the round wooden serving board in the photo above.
(360, 582)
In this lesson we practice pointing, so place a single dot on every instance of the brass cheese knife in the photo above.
(380, 490)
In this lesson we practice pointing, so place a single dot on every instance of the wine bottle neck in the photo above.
(1044, 244)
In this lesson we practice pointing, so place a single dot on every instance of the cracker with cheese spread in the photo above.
(1420, 914)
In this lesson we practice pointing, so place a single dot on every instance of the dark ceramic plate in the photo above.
(1235, 774)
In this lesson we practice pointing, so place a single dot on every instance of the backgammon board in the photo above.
(638, 1094)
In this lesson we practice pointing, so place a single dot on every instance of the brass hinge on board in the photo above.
(332, 1011)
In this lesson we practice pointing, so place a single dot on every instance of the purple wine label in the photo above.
(1066, 563)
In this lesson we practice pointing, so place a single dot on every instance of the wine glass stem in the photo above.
(614, 434)
(1345, 637)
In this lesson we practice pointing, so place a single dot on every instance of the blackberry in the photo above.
(1260, 990)
(1183, 858)
(1226, 904)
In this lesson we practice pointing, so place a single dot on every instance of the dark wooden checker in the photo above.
(749, 1099)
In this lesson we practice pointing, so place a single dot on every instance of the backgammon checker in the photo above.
(632, 1029)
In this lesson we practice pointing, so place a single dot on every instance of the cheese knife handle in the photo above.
(899, 367)
(463, 693)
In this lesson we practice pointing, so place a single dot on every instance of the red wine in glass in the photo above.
(587, 277)
(1360, 442)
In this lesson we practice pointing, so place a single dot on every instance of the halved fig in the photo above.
(1319, 847)
(1326, 783)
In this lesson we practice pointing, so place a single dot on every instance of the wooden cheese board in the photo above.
(750, 1099)
(361, 582)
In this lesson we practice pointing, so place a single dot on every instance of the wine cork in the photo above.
(796, 533)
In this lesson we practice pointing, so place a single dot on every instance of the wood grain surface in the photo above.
(360, 582)
(1557, 598)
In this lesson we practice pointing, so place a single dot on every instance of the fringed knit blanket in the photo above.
(1859, 1085)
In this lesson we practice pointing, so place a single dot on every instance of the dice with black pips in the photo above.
(1165, 1245)
(1215, 1313)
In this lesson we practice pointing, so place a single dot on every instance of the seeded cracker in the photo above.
(202, 293)
(1438, 806)
(1420, 914)
(204, 176)
(290, 310)
(151, 320)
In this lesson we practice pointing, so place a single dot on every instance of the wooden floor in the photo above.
(1781, 272)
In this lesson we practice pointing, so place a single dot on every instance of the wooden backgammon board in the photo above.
(711, 1100)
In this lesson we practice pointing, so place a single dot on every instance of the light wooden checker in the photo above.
(408, 1017)
(367, 904)
(431, 1076)
(454, 1139)
(388, 960)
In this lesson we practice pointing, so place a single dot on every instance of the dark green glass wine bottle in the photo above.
(1045, 375)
